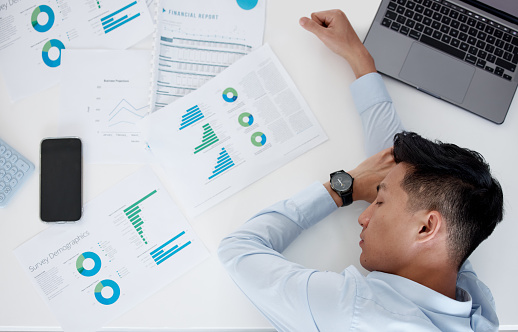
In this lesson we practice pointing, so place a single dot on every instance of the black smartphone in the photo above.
(61, 179)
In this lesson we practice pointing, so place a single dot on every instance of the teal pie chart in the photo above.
(45, 53)
(34, 18)
(80, 264)
(230, 95)
(246, 119)
(107, 300)
(258, 139)
(247, 4)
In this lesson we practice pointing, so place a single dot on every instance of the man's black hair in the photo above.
(457, 183)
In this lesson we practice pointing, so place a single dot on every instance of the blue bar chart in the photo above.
(224, 162)
(191, 116)
(133, 214)
(119, 17)
(168, 249)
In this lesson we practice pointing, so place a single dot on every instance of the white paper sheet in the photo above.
(197, 39)
(33, 33)
(240, 126)
(131, 242)
(106, 104)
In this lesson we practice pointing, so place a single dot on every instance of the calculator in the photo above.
(14, 170)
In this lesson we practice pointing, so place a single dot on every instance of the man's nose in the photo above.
(365, 217)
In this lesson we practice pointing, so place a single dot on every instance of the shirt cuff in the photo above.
(314, 203)
(368, 91)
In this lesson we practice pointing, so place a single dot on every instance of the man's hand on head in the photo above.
(334, 29)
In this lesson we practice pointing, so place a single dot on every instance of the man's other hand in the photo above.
(334, 29)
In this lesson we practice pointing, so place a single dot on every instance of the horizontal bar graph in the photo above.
(224, 162)
(114, 20)
(191, 116)
(133, 214)
(162, 253)
(209, 138)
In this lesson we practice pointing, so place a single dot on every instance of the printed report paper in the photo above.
(33, 33)
(197, 39)
(105, 106)
(237, 128)
(131, 242)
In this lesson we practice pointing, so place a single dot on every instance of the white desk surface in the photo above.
(206, 297)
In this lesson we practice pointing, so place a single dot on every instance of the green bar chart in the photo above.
(209, 138)
(133, 214)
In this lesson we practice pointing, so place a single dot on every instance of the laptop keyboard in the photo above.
(457, 31)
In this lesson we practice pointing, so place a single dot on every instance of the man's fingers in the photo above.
(310, 25)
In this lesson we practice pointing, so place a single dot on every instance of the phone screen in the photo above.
(61, 179)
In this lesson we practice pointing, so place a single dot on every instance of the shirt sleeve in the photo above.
(252, 257)
(379, 117)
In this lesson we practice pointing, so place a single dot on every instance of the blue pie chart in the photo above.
(34, 18)
(247, 4)
(45, 52)
(107, 300)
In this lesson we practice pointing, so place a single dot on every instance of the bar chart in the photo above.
(168, 249)
(119, 17)
(209, 138)
(133, 214)
(224, 162)
(192, 116)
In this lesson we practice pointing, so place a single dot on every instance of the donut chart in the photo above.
(80, 260)
(34, 18)
(247, 4)
(107, 300)
(258, 139)
(226, 93)
(45, 53)
(246, 119)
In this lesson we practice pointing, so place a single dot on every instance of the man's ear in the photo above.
(429, 225)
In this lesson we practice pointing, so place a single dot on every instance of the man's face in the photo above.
(389, 229)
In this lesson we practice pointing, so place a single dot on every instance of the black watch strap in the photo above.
(347, 198)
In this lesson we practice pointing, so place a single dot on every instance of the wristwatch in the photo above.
(342, 184)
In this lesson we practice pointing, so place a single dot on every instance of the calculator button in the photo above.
(7, 154)
(2, 161)
(2, 173)
(18, 175)
(7, 178)
(13, 159)
(22, 165)
(2, 149)
(13, 170)
(2, 198)
(7, 190)
(7, 166)
(2, 186)
(13, 183)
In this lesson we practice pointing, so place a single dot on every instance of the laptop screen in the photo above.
(506, 9)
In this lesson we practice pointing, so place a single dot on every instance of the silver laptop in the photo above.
(462, 51)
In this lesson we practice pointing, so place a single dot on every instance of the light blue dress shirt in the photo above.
(296, 298)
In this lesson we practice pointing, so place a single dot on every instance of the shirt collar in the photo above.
(425, 297)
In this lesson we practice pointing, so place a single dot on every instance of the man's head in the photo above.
(437, 192)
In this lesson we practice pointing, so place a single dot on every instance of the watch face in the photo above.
(341, 182)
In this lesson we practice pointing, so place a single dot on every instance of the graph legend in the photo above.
(133, 214)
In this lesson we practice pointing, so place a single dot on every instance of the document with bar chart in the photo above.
(105, 106)
(237, 128)
(34, 32)
(197, 39)
(132, 241)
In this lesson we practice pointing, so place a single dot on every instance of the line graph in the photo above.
(124, 113)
